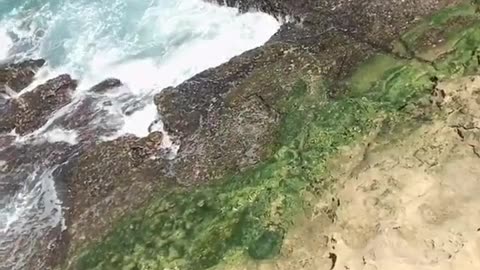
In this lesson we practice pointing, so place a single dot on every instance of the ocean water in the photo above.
(147, 44)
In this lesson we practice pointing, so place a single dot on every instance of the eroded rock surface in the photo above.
(229, 119)
(34, 108)
(106, 85)
(19, 75)
(108, 176)
(207, 112)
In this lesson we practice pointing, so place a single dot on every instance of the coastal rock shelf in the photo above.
(272, 141)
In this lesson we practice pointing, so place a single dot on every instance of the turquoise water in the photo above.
(87, 37)
(147, 44)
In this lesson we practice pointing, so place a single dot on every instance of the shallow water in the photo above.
(148, 45)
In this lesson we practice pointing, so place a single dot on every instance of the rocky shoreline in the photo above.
(245, 126)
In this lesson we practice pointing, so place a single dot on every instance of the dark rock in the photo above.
(82, 114)
(46, 154)
(52, 250)
(14, 77)
(376, 22)
(19, 75)
(133, 106)
(106, 85)
(9, 184)
(276, 8)
(90, 118)
(8, 189)
(7, 116)
(33, 109)
(109, 175)
(20, 168)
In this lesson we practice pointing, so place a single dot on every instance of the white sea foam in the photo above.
(5, 44)
(33, 211)
(61, 135)
(168, 42)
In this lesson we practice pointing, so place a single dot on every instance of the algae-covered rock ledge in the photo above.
(271, 144)
(264, 137)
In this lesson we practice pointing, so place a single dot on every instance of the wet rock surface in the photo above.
(225, 119)
(212, 112)
(106, 85)
(13, 78)
(24, 167)
(124, 170)
(17, 76)
(90, 119)
(34, 108)
(7, 110)
(26, 161)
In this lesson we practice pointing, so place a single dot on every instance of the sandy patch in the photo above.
(412, 204)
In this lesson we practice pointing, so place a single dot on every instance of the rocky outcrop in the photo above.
(34, 108)
(264, 126)
(254, 133)
(106, 85)
(13, 78)
(17, 76)
(374, 21)
(330, 40)
(24, 162)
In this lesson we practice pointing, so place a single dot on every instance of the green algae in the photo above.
(248, 214)
(442, 17)
(372, 71)
(464, 61)
(438, 36)
(444, 21)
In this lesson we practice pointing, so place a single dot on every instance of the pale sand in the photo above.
(412, 204)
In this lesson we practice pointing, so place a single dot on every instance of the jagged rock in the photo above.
(13, 78)
(90, 118)
(33, 109)
(106, 85)
(17, 76)
(376, 22)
